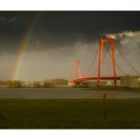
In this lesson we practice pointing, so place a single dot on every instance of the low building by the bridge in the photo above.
(89, 84)
(130, 81)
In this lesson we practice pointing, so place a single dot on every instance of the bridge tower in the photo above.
(77, 62)
(111, 43)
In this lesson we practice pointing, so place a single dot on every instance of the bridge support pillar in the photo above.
(73, 70)
(72, 78)
(113, 61)
(101, 44)
(99, 63)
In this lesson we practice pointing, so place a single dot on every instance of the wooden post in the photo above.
(105, 113)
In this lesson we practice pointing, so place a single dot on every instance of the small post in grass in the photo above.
(105, 113)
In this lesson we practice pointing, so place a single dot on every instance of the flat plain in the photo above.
(69, 108)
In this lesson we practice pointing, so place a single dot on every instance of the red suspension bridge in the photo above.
(120, 64)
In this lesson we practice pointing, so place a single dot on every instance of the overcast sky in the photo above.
(58, 38)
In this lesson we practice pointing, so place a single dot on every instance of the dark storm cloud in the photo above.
(63, 28)
(56, 29)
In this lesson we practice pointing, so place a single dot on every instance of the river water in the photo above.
(65, 93)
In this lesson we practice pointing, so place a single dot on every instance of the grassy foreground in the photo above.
(43, 113)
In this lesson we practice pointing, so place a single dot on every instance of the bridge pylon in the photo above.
(71, 82)
(102, 42)
(76, 62)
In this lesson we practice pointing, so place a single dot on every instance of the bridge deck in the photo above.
(95, 78)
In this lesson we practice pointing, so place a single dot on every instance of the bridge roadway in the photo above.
(65, 93)
(95, 78)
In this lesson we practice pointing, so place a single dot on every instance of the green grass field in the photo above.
(43, 113)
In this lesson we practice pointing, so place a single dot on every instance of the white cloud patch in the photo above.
(121, 35)
(12, 19)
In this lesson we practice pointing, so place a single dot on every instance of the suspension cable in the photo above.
(128, 62)
(93, 61)
(117, 64)
(102, 59)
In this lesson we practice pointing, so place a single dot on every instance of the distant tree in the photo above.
(14, 84)
(57, 81)
(18, 84)
(37, 84)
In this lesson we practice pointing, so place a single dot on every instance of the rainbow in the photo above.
(24, 44)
